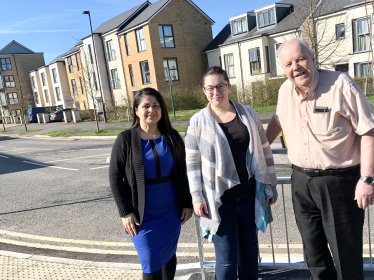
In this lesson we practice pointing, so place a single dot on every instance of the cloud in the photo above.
(35, 31)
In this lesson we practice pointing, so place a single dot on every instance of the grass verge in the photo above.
(58, 132)
(180, 128)
(266, 109)
(6, 130)
(29, 131)
(370, 98)
(102, 132)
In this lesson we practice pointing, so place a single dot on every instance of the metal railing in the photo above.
(279, 265)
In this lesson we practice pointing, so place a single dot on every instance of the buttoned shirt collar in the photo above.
(310, 92)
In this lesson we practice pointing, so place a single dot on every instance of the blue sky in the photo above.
(54, 26)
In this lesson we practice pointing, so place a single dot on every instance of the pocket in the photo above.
(321, 123)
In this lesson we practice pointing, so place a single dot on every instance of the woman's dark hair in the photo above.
(215, 70)
(164, 124)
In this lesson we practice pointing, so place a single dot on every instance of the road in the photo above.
(56, 201)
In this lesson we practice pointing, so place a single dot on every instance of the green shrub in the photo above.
(362, 83)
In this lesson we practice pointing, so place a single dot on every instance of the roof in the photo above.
(118, 21)
(57, 59)
(152, 10)
(291, 22)
(15, 48)
(71, 51)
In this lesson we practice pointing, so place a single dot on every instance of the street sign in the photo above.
(69, 101)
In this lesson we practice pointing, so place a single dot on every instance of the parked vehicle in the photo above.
(31, 112)
(59, 115)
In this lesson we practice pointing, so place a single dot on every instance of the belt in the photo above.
(322, 172)
(159, 180)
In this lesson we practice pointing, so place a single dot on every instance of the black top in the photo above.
(238, 137)
(126, 174)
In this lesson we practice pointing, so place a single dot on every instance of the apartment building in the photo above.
(168, 36)
(77, 73)
(16, 61)
(246, 47)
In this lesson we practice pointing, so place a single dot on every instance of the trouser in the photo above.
(327, 214)
(235, 242)
(167, 272)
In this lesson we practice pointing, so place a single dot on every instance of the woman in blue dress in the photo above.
(149, 183)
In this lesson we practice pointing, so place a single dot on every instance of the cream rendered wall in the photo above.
(119, 95)
(235, 51)
(62, 82)
(37, 89)
(102, 75)
(48, 85)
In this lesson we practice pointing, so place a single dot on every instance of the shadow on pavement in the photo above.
(7, 138)
(12, 164)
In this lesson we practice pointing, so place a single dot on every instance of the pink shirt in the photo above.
(324, 140)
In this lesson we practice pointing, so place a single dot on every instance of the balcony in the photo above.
(111, 55)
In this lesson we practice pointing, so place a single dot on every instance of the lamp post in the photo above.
(1, 103)
(97, 67)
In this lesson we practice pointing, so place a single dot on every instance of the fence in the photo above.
(295, 265)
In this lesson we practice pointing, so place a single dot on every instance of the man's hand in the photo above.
(129, 222)
(201, 208)
(364, 194)
(271, 201)
(186, 215)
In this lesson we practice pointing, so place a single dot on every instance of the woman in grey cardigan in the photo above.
(232, 177)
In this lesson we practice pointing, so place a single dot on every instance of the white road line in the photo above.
(74, 158)
(99, 167)
(4, 156)
(50, 166)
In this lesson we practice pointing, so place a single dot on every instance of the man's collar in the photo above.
(312, 88)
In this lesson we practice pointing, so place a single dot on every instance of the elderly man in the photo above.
(328, 125)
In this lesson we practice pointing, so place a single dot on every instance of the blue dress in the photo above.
(157, 237)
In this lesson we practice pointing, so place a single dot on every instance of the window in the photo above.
(94, 79)
(84, 105)
(229, 65)
(266, 18)
(36, 97)
(15, 112)
(340, 31)
(166, 36)
(43, 78)
(131, 76)
(9, 81)
(115, 81)
(277, 45)
(12, 98)
(363, 69)
(74, 87)
(146, 76)
(90, 53)
(342, 68)
(32, 82)
(239, 26)
(171, 64)
(5, 64)
(267, 59)
(254, 61)
(110, 51)
(46, 96)
(71, 68)
(54, 74)
(220, 61)
(361, 40)
(3, 100)
(81, 83)
(140, 40)
(127, 45)
(58, 94)
(77, 61)
(77, 105)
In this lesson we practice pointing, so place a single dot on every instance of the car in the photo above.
(32, 112)
(59, 115)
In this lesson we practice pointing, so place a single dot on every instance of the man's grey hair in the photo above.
(302, 42)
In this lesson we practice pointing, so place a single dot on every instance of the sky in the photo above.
(53, 27)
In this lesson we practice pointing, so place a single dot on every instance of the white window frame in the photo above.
(5, 64)
(146, 75)
(255, 59)
(239, 26)
(46, 96)
(358, 69)
(140, 39)
(58, 94)
(265, 21)
(127, 45)
(230, 68)
(356, 35)
(74, 86)
(172, 70)
(54, 74)
(115, 80)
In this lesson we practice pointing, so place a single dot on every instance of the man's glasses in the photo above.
(220, 88)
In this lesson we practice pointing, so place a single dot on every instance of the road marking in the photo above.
(3, 156)
(74, 158)
(57, 167)
(99, 167)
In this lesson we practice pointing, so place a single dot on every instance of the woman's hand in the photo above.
(201, 208)
(186, 215)
(271, 201)
(129, 222)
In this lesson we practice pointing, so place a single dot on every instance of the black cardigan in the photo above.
(126, 174)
